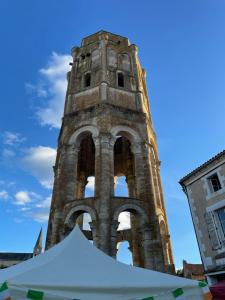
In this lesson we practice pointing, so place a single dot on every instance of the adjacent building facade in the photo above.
(106, 133)
(205, 190)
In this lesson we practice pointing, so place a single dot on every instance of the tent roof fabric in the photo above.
(75, 269)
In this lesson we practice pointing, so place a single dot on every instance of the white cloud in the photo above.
(124, 219)
(39, 162)
(90, 187)
(41, 217)
(4, 195)
(22, 198)
(45, 203)
(12, 138)
(91, 183)
(38, 89)
(51, 86)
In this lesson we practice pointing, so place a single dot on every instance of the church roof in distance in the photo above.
(15, 256)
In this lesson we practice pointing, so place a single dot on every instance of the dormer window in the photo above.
(87, 80)
(120, 79)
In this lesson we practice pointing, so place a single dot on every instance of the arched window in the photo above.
(87, 79)
(120, 79)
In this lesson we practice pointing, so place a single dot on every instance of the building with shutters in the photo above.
(205, 190)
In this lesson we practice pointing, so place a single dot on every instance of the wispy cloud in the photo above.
(4, 195)
(8, 153)
(39, 161)
(52, 87)
(45, 203)
(32, 206)
(12, 138)
(40, 217)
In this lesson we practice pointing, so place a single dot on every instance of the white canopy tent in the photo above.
(75, 269)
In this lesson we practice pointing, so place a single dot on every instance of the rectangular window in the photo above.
(87, 80)
(120, 79)
(221, 215)
(214, 182)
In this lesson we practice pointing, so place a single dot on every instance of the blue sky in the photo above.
(181, 46)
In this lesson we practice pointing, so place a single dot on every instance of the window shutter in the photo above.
(209, 217)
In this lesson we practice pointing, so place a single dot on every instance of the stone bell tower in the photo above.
(107, 132)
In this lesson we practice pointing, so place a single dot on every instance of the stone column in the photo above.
(103, 46)
(135, 243)
(94, 229)
(130, 179)
(80, 185)
(114, 227)
(104, 183)
(64, 189)
(140, 175)
(56, 228)
(150, 232)
(71, 172)
(103, 91)
(152, 248)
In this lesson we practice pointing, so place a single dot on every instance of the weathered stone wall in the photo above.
(107, 126)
